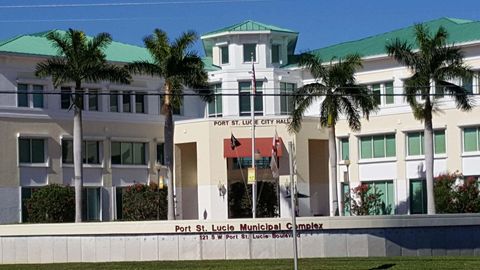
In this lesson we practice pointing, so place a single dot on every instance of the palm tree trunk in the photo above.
(332, 153)
(168, 148)
(77, 157)
(428, 133)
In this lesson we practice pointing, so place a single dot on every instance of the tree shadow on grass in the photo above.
(383, 266)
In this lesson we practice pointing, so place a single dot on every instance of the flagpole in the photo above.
(252, 112)
(293, 195)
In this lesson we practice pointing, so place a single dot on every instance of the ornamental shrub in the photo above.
(365, 201)
(51, 204)
(144, 202)
(452, 198)
(444, 190)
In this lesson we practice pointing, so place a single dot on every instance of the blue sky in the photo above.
(320, 23)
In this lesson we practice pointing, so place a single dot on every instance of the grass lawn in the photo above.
(304, 264)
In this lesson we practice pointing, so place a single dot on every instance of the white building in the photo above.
(386, 153)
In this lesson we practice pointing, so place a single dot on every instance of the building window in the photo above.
(128, 153)
(215, 106)
(37, 96)
(27, 193)
(140, 103)
(467, 84)
(127, 104)
(65, 97)
(90, 155)
(93, 100)
(33, 99)
(286, 98)
(31, 150)
(22, 95)
(249, 51)
(385, 189)
(275, 53)
(345, 194)
(91, 203)
(114, 101)
(418, 196)
(245, 89)
(224, 55)
(471, 139)
(415, 143)
(379, 146)
(344, 149)
(160, 153)
(382, 93)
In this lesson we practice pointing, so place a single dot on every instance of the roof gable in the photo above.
(249, 26)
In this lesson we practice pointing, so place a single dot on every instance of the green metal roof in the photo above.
(38, 44)
(248, 26)
(460, 31)
(208, 64)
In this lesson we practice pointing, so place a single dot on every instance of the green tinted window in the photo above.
(67, 151)
(389, 98)
(22, 96)
(390, 145)
(439, 140)
(275, 53)
(24, 150)
(378, 146)
(344, 146)
(91, 204)
(366, 147)
(470, 139)
(224, 54)
(244, 99)
(116, 153)
(38, 96)
(415, 144)
(249, 51)
(385, 189)
(38, 150)
(418, 196)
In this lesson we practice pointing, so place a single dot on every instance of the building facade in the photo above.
(123, 128)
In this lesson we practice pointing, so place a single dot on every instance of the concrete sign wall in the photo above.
(240, 239)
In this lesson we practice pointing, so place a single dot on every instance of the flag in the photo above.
(273, 161)
(234, 142)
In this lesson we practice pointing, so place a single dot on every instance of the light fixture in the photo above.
(258, 155)
(221, 190)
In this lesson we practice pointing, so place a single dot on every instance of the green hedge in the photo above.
(144, 202)
(51, 204)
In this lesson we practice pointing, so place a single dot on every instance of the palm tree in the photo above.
(79, 59)
(432, 65)
(179, 67)
(335, 86)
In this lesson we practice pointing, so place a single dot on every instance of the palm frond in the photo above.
(462, 99)
(313, 64)
(144, 67)
(349, 109)
(184, 42)
(55, 67)
(302, 99)
(402, 52)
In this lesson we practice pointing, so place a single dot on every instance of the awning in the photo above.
(264, 145)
